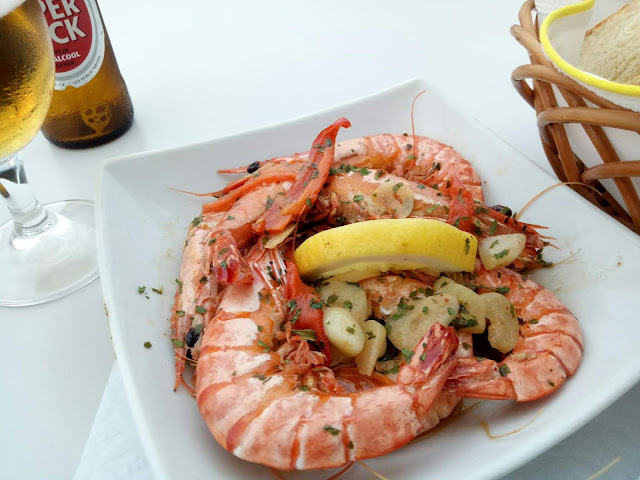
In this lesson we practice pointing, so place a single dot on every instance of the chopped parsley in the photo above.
(231, 218)
(494, 227)
(465, 345)
(533, 321)
(264, 345)
(157, 290)
(196, 221)
(270, 202)
(432, 208)
(307, 334)
(395, 369)
(200, 309)
(358, 198)
(141, 290)
(542, 261)
(408, 354)
(331, 299)
(179, 313)
(333, 431)
(316, 303)
(501, 254)
(425, 309)
(347, 304)
(467, 245)
(352, 329)
(370, 334)
(396, 187)
(177, 343)
(504, 370)
(403, 308)
(147, 345)
(179, 284)
(451, 311)
(495, 242)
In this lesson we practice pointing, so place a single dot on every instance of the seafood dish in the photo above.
(334, 305)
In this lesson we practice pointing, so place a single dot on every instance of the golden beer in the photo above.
(26, 74)
(91, 103)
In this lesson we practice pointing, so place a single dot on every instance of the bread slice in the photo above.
(611, 49)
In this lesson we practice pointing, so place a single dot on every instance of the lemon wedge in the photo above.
(366, 249)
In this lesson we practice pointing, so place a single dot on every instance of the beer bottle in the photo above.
(91, 103)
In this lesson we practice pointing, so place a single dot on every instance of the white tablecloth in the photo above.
(201, 69)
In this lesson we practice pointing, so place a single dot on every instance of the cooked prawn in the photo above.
(350, 196)
(264, 404)
(434, 165)
(548, 351)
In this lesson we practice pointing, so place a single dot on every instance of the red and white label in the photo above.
(78, 40)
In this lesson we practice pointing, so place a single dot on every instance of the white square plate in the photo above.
(142, 226)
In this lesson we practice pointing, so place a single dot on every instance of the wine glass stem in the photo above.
(29, 217)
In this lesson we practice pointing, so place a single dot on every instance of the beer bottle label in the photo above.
(78, 40)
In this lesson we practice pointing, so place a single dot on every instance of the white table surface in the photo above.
(200, 69)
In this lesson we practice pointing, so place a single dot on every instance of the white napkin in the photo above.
(113, 450)
(545, 7)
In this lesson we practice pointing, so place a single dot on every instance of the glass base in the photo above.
(55, 263)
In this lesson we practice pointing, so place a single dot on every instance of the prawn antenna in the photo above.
(414, 155)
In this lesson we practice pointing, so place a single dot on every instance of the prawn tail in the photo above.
(307, 185)
(474, 378)
(433, 357)
(228, 265)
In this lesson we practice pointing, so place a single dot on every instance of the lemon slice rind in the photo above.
(365, 249)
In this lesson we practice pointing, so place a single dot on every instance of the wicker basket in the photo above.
(555, 140)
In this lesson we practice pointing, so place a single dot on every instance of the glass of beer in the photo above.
(47, 251)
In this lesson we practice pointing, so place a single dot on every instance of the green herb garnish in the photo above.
(333, 431)
(408, 354)
(307, 334)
